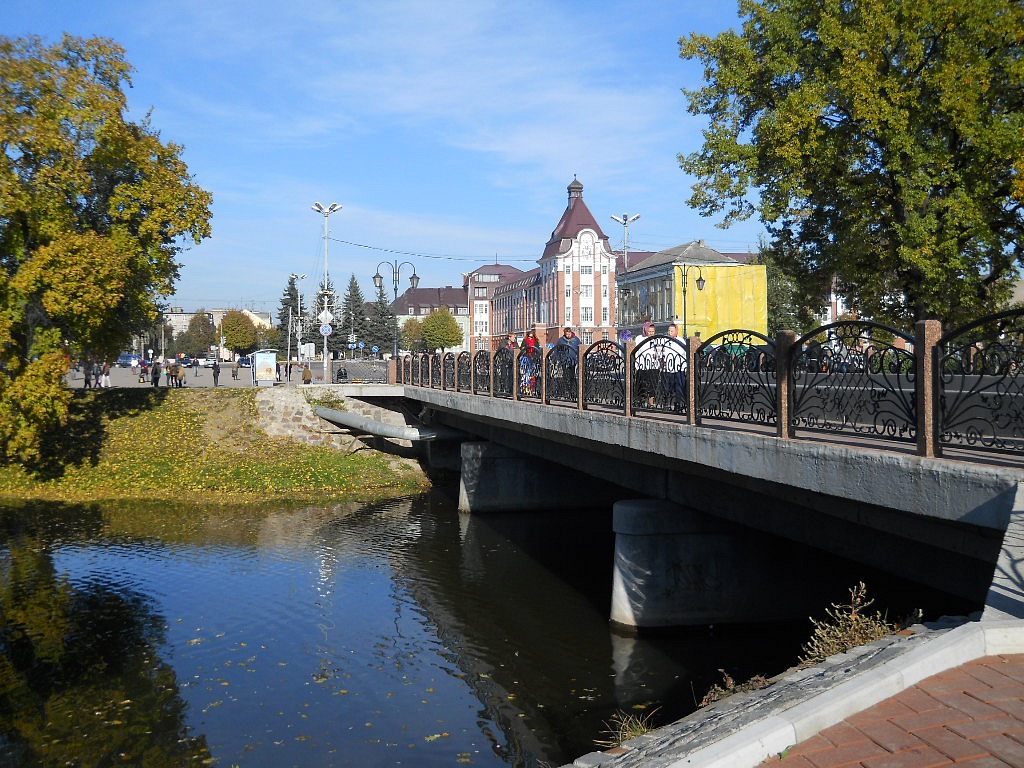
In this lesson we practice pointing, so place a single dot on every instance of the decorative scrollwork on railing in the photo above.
(463, 372)
(423, 379)
(406, 370)
(736, 377)
(435, 370)
(482, 365)
(604, 374)
(562, 374)
(855, 376)
(659, 375)
(448, 370)
(981, 383)
(529, 374)
(504, 381)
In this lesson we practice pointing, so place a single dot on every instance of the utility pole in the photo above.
(326, 317)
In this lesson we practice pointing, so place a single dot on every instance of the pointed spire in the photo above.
(575, 188)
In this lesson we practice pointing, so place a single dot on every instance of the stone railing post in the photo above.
(926, 386)
(393, 371)
(692, 406)
(784, 341)
(628, 378)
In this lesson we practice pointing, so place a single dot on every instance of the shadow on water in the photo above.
(82, 681)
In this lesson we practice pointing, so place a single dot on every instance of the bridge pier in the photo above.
(677, 566)
(495, 478)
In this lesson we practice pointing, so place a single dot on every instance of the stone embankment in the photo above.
(285, 411)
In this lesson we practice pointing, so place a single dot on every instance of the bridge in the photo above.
(901, 451)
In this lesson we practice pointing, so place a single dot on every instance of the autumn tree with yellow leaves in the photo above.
(94, 209)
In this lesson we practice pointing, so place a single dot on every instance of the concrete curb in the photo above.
(770, 733)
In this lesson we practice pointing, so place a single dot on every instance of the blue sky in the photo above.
(447, 131)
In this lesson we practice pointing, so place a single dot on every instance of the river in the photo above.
(395, 633)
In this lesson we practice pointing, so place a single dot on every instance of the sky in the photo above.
(446, 131)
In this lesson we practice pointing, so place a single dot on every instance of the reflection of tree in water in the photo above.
(81, 679)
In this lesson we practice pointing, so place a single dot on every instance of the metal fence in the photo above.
(964, 388)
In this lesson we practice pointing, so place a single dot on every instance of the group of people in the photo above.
(95, 373)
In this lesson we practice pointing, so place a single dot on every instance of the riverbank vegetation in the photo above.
(193, 445)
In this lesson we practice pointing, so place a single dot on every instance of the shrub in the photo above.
(846, 627)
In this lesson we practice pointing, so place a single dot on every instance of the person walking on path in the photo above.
(307, 374)
(106, 375)
(216, 373)
(195, 367)
(234, 370)
(87, 374)
(154, 374)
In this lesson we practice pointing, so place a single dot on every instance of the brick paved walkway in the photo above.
(971, 716)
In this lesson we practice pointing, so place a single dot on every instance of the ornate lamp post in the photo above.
(298, 318)
(326, 317)
(396, 270)
(700, 282)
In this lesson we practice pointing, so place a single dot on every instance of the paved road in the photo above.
(122, 377)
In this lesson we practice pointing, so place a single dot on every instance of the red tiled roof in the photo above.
(576, 218)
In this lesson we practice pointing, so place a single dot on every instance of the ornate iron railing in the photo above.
(435, 370)
(659, 375)
(529, 373)
(463, 372)
(561, 372)
(981, 384)
(482, 366)
(853, 376)
(604, 375)
(448, 370)
(504, 381)
(736, 378)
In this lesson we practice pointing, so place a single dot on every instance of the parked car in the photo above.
(245, 362)
(124, 360)
(207, 361)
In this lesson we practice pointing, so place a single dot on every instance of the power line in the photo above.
(441, 257)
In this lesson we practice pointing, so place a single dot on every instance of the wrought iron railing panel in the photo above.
(604, 374)
(463, 372)
(736, 378)
(528, 378)
(659, 375)
(407, 370)
(424, 371)
(847, 377)
(504, 381)
(561, 372)
(435, 370)
(482, 363)
(448, 370)
(981, 383)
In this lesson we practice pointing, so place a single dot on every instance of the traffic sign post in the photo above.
(326, 329)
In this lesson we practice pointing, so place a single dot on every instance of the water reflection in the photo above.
(382, 634)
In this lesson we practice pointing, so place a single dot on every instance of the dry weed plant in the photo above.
(846, 627)
(623, 726)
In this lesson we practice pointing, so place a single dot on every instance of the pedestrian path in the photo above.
(943, 694)
(971, 715)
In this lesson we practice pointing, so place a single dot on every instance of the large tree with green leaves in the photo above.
(239, 332)
(351, 315)
(291, 318)
(880, 141)
(199, 336)
(441, 330)
(94, 209)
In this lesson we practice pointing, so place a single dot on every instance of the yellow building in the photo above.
(701, 290)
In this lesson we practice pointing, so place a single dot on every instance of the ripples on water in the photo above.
(366, 635)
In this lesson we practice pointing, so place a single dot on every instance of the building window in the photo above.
(586, 314)
(587, 291)
(463, 310)
(481, 308)
(480, 293)
(568, 268)
(604, 269)
(568, 292)
(568, 314)
(487, 278)
(586, 269)
(604, 314)
(604, 291)
(481, 327)
(588, 337)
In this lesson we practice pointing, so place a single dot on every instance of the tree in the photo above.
(352, 315)
(440, 330)
(885, 139)
(292, 308)
(93, 211)
(381, 328)
(789, 309)
(199, 336)
(239, 332)
(412, 335)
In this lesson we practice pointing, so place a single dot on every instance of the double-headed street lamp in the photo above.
(700, 282)
(298, 316)
(325, 317)
(396, 270)
(625, 220)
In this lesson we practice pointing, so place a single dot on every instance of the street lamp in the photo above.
(625, 220)
(396, 270)
(326, 317)
(700, 282)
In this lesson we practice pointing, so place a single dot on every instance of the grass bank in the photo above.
(173, 443)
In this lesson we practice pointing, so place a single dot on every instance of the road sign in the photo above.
(351, 346)
(326, 330)
(362, 344)
(375, 349)
(325, 317)
(351, 338)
